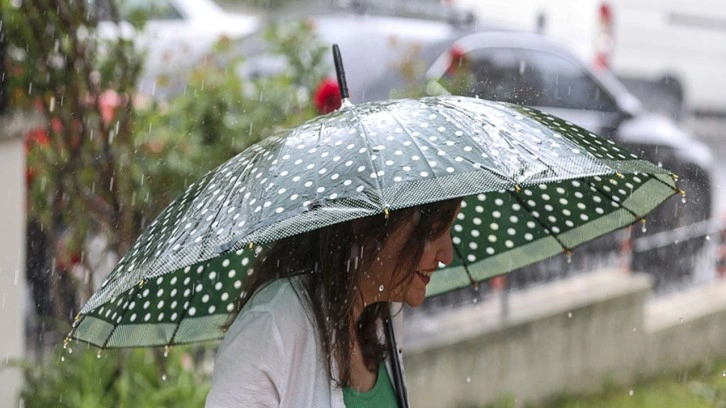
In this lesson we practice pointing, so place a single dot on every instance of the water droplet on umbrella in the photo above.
(166, 351)
(98, 354)
(380, 288)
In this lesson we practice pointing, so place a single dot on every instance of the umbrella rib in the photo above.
(610, 197)
(473, 119)
(115, 326)
(413, 140)
(529, 211)
(474, 284)
(366, 139)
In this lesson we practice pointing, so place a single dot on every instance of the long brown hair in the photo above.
(332, 261)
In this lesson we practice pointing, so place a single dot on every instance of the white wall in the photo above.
(12, 256)
(572, 336)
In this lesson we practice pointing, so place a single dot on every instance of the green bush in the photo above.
(135, 378)
(172, 144)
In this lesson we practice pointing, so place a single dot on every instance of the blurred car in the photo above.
(388, 56)
(176, 34)
(536, 71)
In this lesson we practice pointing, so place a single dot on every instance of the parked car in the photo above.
(176, 35)
(641, 40)
(389, 56)
(536, 71)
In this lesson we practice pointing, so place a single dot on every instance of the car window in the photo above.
(563, 84)
(527, 77)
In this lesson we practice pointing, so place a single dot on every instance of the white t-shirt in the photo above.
(270, 356)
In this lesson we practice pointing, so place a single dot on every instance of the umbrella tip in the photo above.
(340, 73)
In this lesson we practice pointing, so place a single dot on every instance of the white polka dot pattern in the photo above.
(530, 181)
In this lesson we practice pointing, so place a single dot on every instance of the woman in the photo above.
(308, 330)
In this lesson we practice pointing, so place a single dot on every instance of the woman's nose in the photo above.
(444, 249)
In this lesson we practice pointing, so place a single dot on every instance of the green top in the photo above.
(381, 395)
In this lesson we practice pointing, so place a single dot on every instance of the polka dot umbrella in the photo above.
(534, 186)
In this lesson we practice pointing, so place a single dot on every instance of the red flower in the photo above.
(36, 137)
(327, 96)
(457, 58)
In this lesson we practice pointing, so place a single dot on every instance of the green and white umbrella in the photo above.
(533, 186)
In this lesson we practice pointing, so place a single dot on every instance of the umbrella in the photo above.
(533, 186)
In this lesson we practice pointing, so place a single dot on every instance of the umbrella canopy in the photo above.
(533, 186)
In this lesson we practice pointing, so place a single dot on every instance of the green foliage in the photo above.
(220, 114)
(117, 378)
(93, 175)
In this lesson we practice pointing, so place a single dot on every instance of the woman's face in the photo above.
(395, 285)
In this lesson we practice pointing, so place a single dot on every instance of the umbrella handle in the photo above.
(340, 72)
(398, 383)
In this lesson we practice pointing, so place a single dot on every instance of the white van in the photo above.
(680, 44)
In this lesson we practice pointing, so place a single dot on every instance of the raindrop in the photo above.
(569, 315)
(643, 228)
(568, 256)
(98, 354)
(708, 237)
(166, 351)
(683, 199)
(63, 358)
(380, 288)
(723, 374)
(631, 392)
(163, 377)
(474, 300)
(468, 379)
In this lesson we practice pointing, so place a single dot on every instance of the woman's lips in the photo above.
(425, 276)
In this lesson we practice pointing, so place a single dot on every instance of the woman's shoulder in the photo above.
(280, 293)
(279, 301)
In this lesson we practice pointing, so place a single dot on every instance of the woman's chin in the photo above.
(415, 300)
